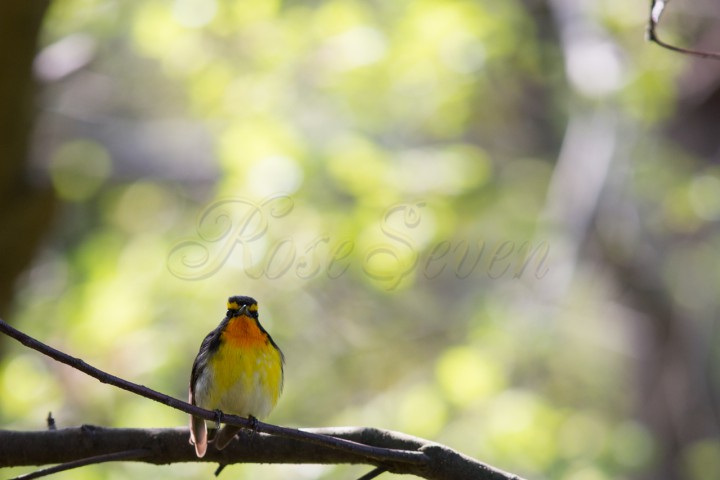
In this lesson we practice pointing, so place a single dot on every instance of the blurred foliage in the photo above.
(376, 174)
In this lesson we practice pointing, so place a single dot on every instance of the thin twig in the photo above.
(369, 452)
(657, 7)
(376, 472)
(51, 422)
(109, 457)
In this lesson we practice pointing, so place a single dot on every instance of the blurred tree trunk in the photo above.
(678, 381)
(674, 391)
(26, 204)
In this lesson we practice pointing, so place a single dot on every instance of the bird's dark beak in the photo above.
(243, 310)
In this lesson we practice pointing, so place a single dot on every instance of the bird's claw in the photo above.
(253, 423)
(218, 418)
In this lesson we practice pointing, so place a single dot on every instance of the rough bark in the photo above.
(170, 445)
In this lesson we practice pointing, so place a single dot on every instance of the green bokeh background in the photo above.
(402, 186)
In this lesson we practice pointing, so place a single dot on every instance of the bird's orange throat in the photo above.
(243, 331)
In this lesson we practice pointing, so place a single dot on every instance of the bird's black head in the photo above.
(239, 303)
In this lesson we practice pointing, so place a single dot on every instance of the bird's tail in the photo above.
(198, 434)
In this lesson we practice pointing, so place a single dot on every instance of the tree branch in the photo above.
(267, 443)
(109, 457)
(373, 453)
(657, 7)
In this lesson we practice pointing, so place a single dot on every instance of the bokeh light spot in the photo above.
(466, 375)
(194, 13)
(422, 412)
(79, 168)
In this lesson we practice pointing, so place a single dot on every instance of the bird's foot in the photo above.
(218, 418)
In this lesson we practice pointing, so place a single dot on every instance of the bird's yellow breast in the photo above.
(245, 371)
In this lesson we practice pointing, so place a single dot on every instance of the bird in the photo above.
(239, 370)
